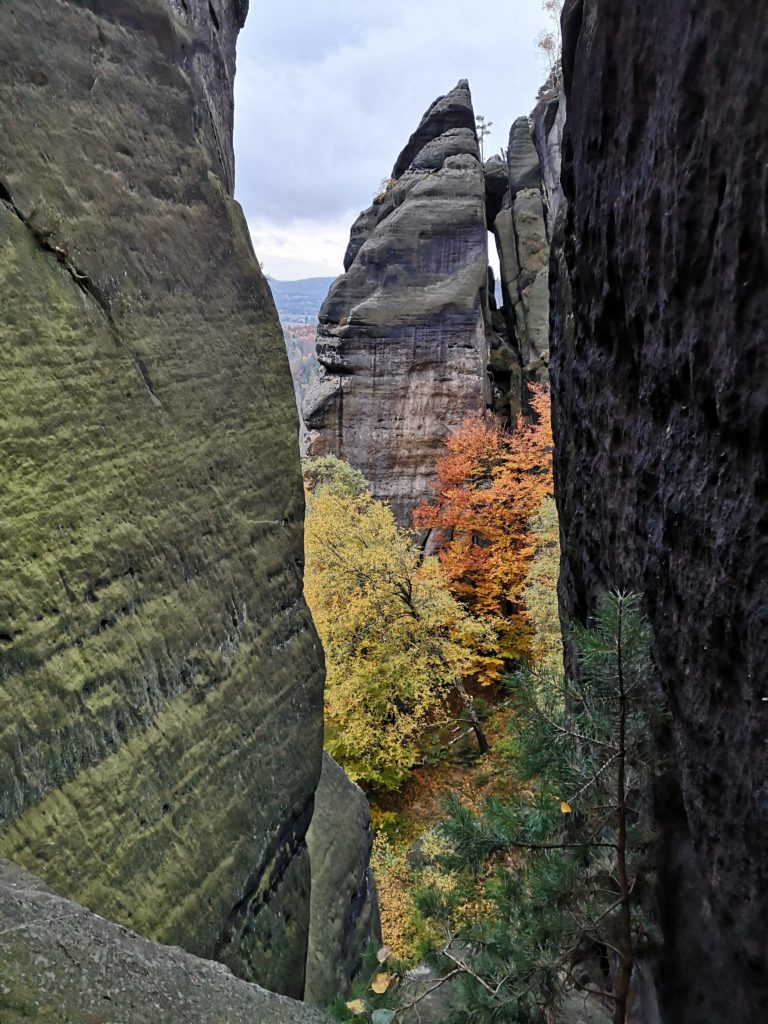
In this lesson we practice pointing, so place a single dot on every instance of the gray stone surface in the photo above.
(520, 232)
(660, 385)
(522, 158)
(161, 698)
(344, 916)
(403, 336)
(447, 114)
(62, 964)
(549, 123)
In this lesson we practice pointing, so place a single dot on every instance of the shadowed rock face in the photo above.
(88, 969)
(160, 709)
(660, 380)
(403, 335)
(344, 918)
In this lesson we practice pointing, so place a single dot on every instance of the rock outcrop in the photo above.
(660, 383)
(520, 350)
(88, 969)
(344, 912)
(404, 334)
(161, 698)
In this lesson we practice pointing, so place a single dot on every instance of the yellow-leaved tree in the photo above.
(540, 592)
(396, 640)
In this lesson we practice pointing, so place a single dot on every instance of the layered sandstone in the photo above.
(404, 333)
(344, 911)
(516, 217)
(161, 698)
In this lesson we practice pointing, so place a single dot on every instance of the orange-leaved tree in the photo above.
(490, 483)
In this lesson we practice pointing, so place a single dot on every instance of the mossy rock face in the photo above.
(161, 698)
(65, 965)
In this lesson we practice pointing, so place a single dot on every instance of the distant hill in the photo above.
(300, 299)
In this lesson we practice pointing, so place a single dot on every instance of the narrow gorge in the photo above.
(176, 845)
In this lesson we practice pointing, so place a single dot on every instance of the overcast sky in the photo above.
(328, 91)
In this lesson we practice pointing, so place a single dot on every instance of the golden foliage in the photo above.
(395, 638)
(393, 886)
(540, 591)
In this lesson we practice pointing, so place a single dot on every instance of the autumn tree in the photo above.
(396, 640)
(549, 41)
(490, 483)
(540, 590)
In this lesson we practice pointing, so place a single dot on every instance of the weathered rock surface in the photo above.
(62, 964)
(404, 335)
(660, 380)
(344, 914)
(549, 124)
(517, 220)
(160, 709)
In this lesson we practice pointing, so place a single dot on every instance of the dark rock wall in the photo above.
(161, 697)
(404, 334)
(660, 380)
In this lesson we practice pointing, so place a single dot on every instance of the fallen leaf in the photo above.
(383, 953)
(565, 807)
(356, 1007)
(380, 983)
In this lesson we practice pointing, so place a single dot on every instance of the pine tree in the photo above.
(561, 861)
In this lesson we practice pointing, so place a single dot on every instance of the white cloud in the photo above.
(301, 248)
(327, 94)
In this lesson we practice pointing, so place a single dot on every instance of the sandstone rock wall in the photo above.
(404, 334)
(516, 216)
(344, 911)
(660, 382)
(161, 697)
(88, 969)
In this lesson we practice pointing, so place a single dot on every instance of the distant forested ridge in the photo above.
(298, 304)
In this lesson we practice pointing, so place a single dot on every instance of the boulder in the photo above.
(64, 964)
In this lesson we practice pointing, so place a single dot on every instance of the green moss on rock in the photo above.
(160, 708)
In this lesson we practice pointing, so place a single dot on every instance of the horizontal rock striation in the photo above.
(404, 334)
(660, 381)
(88, 969)
(161, 697)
